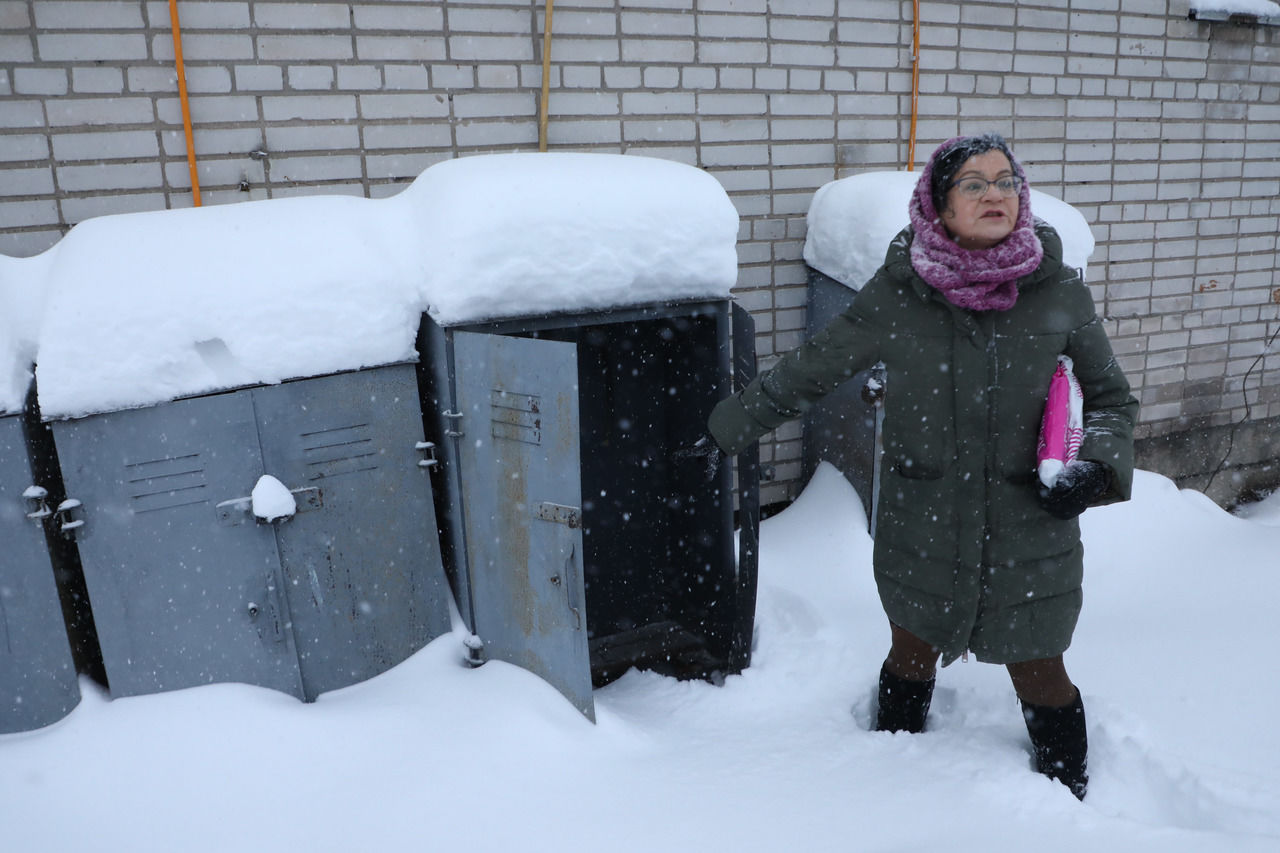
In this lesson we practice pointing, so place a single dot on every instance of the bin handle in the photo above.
(568, 520)
(571, 586)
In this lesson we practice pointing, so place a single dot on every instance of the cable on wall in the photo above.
(1248, 409)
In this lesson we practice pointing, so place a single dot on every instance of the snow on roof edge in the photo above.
(1265, 11)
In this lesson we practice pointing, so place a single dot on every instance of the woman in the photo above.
(969, 314)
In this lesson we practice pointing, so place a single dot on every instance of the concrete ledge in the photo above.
(1230, 463)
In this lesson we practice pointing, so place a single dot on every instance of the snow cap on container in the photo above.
(21, 307)
(148, 307)
(528, 234)
(852, 221)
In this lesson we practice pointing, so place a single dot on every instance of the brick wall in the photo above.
(1164, 132)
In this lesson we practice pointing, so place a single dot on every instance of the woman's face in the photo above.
(983, 221)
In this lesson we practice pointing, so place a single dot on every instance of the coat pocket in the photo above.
(916, 531)
(912, 468)
(1021, 529)
(1019, 583)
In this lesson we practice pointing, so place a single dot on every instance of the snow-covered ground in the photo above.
(1174, 656)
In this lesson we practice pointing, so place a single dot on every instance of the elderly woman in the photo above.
(969, 314)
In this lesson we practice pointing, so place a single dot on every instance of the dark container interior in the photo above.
(661, 582)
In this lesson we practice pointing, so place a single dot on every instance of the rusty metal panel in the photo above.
(181, 594)
(362, 563)
(38, 683)
(519, 458)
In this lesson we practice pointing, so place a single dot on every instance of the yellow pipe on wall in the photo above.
(182, 96)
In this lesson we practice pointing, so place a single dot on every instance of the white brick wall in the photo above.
(1164, 132)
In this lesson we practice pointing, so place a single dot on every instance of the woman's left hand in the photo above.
(1077, 487)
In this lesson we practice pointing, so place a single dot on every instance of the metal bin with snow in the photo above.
(234, 400)
(579, 332)
(38, 684)
(851, 222)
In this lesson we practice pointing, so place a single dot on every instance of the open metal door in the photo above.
(361, 557)
(522, 505)
(186, 588)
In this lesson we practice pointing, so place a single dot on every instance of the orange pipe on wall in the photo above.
(546, 75)
(915, 84)
(182, 96)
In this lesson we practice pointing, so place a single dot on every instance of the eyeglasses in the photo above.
(975, 188)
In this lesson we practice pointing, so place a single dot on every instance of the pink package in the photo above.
(1062, 428)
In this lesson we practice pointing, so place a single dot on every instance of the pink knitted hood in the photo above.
(976, 279)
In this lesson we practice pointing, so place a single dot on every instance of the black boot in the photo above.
(1061, 743)
(903, 704)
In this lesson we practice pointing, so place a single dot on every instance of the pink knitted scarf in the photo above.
(976, 279)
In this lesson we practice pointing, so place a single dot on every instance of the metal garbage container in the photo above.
(189, 586)
(38, 683)
(577, 548)
(843, 427)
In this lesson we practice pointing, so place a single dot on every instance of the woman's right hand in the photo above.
(705, 449)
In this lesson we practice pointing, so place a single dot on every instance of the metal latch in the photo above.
(570, 516)
(37, 498)
(63, 518)
(428, 450)
(272, 630)
(239, 510)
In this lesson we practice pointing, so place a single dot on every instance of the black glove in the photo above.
(706, 449)
(1078, 486)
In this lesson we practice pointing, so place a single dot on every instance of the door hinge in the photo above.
(473, 649)
(63, 518)
(37, 498)
(570, 516)
(453, 430)
(428, 451)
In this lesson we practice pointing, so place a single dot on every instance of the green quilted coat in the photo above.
(965, 557)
